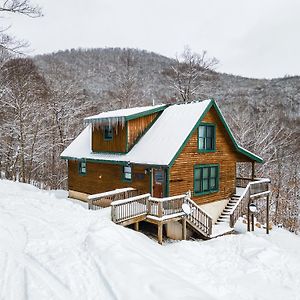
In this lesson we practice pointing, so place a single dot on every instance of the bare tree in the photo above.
(126, 89)
(23, 99)
(261, 130)
(188, 72)
(24, 7)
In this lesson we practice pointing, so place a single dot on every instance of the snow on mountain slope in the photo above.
(54, 248)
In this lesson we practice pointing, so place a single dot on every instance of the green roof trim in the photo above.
(236, 145)
(146, 113)
(133, 116)
(112, 162)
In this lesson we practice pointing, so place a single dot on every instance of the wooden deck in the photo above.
(133, 208)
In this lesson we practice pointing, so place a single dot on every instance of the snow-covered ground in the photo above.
(54, 248)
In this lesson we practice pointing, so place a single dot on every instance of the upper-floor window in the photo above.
(108, 133)
(206, 179)
(82, 167)
(207, 137)
(127, 173)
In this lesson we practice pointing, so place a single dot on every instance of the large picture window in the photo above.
(206, 179)
(206, 138)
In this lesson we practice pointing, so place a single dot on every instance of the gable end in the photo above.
(238, 148)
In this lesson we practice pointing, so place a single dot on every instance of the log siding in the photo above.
(105, 177)
(124, 137)
(225, 155)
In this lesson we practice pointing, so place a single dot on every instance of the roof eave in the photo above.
(128, 118)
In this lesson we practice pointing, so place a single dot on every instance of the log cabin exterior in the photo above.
(106, 155)
(164, 151)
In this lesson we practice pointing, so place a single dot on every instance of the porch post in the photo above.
(184, 228)
(248, 217)
(159, 232)
(267, 219)
(136, 226)
(252, 170)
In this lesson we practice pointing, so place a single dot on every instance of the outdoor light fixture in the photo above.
(252, 208)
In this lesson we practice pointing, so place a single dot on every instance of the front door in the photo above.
(159, 181)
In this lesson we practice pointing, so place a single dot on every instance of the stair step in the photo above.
(232, 201)
(225, 213)
(223, 218)
(222, 221)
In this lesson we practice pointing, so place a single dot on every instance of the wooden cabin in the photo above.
(163, 150)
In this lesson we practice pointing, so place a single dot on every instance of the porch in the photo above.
(127, 207)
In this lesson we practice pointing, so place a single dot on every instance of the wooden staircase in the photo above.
(228, 210)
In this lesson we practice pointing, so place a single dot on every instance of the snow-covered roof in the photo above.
(161, 144)
(125, 114)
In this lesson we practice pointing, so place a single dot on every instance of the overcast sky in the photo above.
(253, 38)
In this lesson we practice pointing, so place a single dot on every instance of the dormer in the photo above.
(117, 131)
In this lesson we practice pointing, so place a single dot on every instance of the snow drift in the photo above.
(54, 248)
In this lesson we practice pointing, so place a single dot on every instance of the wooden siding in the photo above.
(123, 138)
(182, 172)
(136, 127)
(105, 177)
(117, 144)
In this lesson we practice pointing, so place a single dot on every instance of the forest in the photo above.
(44, 98)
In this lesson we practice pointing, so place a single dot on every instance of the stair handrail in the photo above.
(242, 204)
(199, 218)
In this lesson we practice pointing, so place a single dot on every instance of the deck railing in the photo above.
(258, 187)
(160, 207)
(122, 210)
(98, 201)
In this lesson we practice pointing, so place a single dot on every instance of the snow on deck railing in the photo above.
(132, 199)
(110, 193)
(100, 200)
(256, 187)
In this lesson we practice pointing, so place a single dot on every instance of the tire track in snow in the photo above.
(54, 284)
(19, 264)
(4, 268)
(91, 249)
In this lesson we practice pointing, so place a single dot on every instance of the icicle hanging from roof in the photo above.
(112, 122)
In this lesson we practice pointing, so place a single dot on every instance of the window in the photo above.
(108, 133)
(206, 179)
(127, 173)
(82, 167)
(206, 138)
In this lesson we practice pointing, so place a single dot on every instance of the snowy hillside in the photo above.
(54, 248)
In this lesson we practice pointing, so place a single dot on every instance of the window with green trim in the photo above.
(206, 179)
(127, 173)
(206, 137)
(82, 167)
(108, 133)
